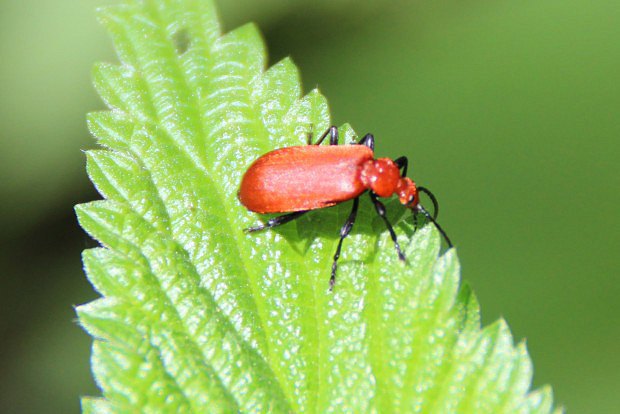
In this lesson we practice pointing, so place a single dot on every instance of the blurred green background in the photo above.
(508, 111)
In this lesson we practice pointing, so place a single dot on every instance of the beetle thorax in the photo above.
(381, 176)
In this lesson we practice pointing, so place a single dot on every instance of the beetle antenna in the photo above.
(433, 199)
(432, 220)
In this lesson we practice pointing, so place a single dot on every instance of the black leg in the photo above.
(381, 211)
(344, 232)
(276, 221)
(332, 131)
(368, 140)
(402, 162)
(310, 135)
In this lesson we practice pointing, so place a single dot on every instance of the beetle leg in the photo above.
(276, 221)
(332, 131)
(368, 140)
(382, 212)
(344, 232)
(402, 162)
(309, 135)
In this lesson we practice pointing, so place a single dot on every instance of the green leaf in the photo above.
(196, 315)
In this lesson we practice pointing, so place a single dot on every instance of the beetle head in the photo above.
(407, 192)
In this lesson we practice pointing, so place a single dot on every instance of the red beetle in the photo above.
(295, 180)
